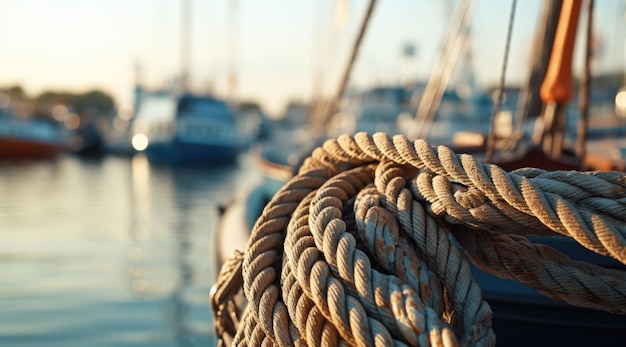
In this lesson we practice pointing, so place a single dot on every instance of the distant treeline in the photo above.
(94, 101)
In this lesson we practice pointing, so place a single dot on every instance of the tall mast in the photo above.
(233, 42)
(558, 85)
(321, 119)
(185, 41)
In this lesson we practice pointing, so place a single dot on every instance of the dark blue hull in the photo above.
(524, 317)
(185, 153)
(519, 323)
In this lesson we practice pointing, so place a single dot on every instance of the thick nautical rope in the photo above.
(362, 246)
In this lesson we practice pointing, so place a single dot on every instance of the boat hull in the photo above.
(524, 317)
(189, 153)
(14, 149)
(519, 323)
(521, 317)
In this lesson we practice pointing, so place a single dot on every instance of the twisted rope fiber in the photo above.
(439, 252)
(365, 240)
(595, 226)
(355, 269)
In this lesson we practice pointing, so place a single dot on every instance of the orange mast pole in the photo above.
(558, 85)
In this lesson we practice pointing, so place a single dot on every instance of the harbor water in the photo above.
(109, 252)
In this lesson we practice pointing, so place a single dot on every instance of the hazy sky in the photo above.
(280, 48)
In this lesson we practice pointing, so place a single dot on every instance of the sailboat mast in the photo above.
(185, 41)
(320, 120)
(233, 76)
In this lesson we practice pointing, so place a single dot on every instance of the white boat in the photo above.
(186, 129)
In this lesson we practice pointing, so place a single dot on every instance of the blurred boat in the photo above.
(185, 129)
(179, 127)
(28, 138)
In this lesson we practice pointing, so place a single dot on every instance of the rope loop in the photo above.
(371, 244)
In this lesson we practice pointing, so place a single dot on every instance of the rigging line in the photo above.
(438, 81)
(429, 92)
(496, 108)
(443, 83)
(585, 83)
(332, 107)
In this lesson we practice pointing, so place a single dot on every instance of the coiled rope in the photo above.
(369, 245)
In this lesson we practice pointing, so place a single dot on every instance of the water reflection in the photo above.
(178, 204)
(138, 283)
(109, 252)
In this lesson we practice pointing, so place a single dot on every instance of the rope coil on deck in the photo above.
(370, 245)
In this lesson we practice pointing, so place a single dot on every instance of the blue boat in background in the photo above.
(185, 129)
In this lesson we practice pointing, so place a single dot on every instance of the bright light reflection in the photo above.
(137, 257)
(140, 142)
(620, 100)
(141, 201)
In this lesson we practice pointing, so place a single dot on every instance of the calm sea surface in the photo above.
(110, 252)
